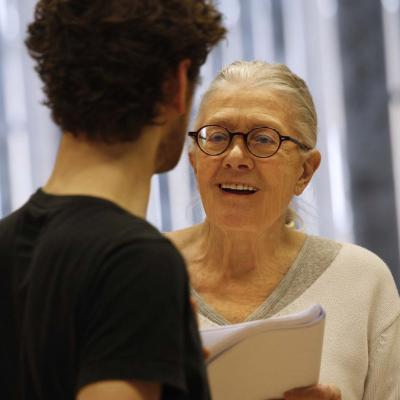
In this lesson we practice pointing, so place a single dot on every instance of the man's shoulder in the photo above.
(150, 257)
(8, 223)
(109, 233)
(89, 219)
(115, 240)
(9, 226)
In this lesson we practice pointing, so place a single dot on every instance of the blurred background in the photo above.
(349, 54)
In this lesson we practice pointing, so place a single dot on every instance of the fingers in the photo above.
(316, 392)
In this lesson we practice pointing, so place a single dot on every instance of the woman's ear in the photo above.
(192, 158)
(310, 165)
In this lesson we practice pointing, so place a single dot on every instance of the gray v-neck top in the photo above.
(313, 259)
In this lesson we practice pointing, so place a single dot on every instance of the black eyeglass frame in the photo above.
(282, 138)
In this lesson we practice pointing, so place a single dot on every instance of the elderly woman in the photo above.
(254, 150)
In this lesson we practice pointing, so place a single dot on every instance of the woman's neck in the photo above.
(230, 255)
(235, 271)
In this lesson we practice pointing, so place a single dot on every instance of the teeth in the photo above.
(239, 186)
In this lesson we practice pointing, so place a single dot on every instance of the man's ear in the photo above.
(310, 165)
(177, 90)
(183, 91)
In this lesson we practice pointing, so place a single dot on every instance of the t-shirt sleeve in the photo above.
(133, 316)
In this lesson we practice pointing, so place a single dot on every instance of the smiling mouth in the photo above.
(240, 189)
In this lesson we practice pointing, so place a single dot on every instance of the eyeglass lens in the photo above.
(262, 142)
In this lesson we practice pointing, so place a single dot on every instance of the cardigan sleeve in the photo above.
(383, 381)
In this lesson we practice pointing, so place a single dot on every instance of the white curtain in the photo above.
(302, 34)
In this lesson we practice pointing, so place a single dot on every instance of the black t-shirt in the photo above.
(90, 292)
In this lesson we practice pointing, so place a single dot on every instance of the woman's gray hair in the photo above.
(278, 77)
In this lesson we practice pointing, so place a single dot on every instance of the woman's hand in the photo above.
(316, 392)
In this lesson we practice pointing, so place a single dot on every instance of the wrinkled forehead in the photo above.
(234, 104)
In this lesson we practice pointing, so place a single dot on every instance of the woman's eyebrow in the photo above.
(223, 120)
(264, 120)
(231, 121)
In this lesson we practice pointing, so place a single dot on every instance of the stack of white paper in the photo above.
(260, 360)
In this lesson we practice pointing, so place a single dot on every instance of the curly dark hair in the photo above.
(103, 62)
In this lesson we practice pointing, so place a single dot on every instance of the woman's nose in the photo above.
(238, 156)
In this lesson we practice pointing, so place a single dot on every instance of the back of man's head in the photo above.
(103, 62)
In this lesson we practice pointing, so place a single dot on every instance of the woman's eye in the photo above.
(263, 139)
(217, 138)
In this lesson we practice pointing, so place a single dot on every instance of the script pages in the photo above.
(260, 360)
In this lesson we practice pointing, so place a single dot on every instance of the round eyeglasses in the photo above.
(262, 142)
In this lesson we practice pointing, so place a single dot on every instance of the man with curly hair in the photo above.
(95, 301)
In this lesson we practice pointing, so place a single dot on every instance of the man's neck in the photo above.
(119, 172)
